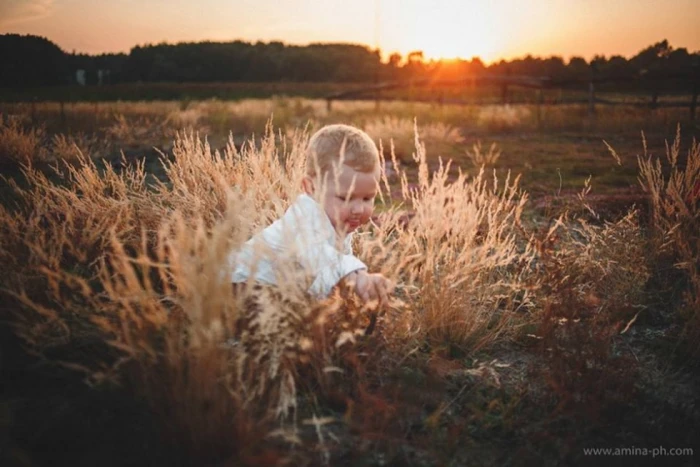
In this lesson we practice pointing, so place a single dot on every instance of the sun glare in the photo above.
(443, 46)
(447, 29)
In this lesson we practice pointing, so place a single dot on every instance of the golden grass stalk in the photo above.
(144, 270)
(460, 252)
(480, 157)
(674, 192)
(19, 145)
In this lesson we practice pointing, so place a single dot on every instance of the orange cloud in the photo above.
(21, 11)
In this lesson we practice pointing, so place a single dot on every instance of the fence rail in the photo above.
(539, 83)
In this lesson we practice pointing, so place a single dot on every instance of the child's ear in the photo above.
(307, 184)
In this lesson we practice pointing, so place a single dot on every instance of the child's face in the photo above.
(349, 200)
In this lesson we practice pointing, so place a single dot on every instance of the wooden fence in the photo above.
(538, 83)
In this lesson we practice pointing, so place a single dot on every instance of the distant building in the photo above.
(103, 77)
(80, 77)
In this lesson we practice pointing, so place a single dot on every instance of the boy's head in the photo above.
(342, 171)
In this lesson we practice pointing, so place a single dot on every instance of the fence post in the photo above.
(654, 98)
(696, 87)
(540, 100)
(591, 98)
(63, 114)
(329, 104)
(33, 110)
(593, 73)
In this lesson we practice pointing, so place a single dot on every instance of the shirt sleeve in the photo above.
(329, 267)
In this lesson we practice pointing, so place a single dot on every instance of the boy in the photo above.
(314, 235)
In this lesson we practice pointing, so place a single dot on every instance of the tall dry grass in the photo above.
(104, 257)
(441, 138)
(589, 286)
(503, 117)
(19, 144)
(480, 157)
(141, 269)
(673, 185)
(148, 124)
(460, 257)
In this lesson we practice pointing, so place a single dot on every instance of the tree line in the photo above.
(36, 61)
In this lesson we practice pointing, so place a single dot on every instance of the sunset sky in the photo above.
(492, 29)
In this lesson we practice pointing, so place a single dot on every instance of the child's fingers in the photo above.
(373, 294)
(361, 287)
(365, 291)
(390, 286)
(373, 291)
(381, 290)
(383, 296)
(376, 288)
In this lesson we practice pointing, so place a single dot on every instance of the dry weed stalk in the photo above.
(480, 158)
(501, 117)
(674, 192)
(20, 145)
(590, 283)
(604, 266)
(401, 132)
(461, 252)
(197, 177)
(135, 131)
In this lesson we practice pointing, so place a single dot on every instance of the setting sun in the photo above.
(447, 43)
(445, 30)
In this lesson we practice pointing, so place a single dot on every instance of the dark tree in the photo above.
(36, 61)
(32, 61)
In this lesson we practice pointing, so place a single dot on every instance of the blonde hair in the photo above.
(327, 144)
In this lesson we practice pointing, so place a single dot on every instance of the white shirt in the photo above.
(303, 238)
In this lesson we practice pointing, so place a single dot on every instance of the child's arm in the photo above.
(370, 286)
(313, 245)
(329, 267)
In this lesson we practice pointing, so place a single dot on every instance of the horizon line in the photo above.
(383, 54)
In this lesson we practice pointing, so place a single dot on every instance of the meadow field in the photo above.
(548, 298)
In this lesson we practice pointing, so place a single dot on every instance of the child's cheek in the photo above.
(332, 213)
(343, 212)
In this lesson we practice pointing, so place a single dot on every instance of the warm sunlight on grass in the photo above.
(521, 307)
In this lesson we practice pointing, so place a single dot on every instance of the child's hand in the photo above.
(372, 286)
